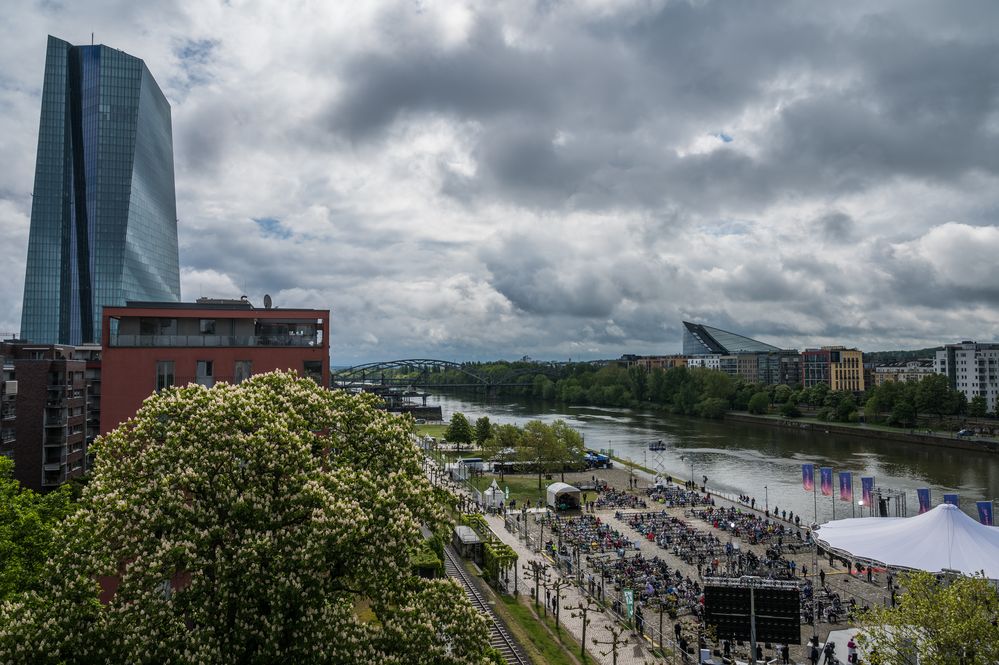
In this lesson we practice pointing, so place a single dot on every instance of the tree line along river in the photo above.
(757, 460)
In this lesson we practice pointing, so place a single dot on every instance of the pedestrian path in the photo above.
(633, 651)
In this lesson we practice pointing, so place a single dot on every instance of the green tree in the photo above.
(458, 431)
(759, 403)
(539, 447)
(483, 430)
(28, 522)
(903, 414)
(782, 394)
(712, 407)
(933, 395)
(569, 444)
(846, 408)
(978, 407)
(945, 623)
(638, 382)
(789, 409)
(246, 523)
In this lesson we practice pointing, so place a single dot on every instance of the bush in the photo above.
(824, 414)
(790, 410)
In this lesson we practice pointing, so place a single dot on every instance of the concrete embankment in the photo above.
(937, 440)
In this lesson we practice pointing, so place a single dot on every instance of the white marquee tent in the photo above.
(563, 494)
(941, 539)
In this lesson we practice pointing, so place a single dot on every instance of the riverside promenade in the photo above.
(522, 530)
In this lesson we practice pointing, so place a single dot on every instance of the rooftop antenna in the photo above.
(91, 39)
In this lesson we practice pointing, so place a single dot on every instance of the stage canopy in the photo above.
(562, 496)
(942, 539)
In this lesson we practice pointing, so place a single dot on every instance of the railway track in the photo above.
(499, 638)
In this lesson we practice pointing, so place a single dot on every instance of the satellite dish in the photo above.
(267, 301)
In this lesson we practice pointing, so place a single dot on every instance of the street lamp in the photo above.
(766, 497)
(688, 458)
(815, 586)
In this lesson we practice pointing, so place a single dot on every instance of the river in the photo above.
(761, 461)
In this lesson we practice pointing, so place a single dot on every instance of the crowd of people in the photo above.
(654, 581)
(615, 499)
(752, 526)
(674, 495)
(590, 534)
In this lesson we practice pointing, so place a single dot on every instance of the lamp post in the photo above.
(688, 458)
(815, 585)
(766, 497)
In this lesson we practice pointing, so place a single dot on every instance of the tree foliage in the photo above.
(245, 523)
(28, 522)
(483, 429)
(759, 403)
(943, 623)
(459, 430)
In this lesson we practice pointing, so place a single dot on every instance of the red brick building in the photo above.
(43, 413)
(148, 346)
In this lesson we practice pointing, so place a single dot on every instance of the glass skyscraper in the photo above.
(103, 216)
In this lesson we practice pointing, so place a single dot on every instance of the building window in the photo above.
(314, 370)
(242, 371)
(205, 375)
(207, 326)
(164, 374)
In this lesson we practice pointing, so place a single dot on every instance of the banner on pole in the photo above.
(985, 512)
(952, 499)
(629, 600)
(825, 474)
(808, 477)
(924, 499)
(846, 486)
(867, 493)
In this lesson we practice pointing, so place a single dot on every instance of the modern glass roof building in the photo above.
(699, 340)
(103, 217)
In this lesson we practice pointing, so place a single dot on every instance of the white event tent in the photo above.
(944, 538)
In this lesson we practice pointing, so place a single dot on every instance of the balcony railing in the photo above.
(212, 340)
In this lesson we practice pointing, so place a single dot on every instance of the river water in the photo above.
(761, 461)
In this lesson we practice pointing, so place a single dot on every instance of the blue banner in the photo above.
(825, 473)
(952, 499)
(808, 477)
(846, 486)
(867, 485)
(923, 493)
(985, 512)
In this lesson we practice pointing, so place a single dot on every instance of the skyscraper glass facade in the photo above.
(103, 216)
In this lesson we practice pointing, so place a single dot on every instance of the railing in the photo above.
(212, 340)
(7, 435)
(8, 413)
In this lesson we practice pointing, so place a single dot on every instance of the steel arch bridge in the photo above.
(370, 374)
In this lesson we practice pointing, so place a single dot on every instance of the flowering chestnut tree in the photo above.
(247, 524)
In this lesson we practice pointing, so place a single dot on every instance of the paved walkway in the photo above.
(632, 651)
(638, 650)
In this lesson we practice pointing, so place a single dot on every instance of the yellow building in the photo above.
(846, 369)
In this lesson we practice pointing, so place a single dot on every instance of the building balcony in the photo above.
(55, 476)
(8, 413)
(7, 436)
(187, 341)
(56, 421)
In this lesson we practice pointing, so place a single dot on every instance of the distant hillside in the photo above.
(894, 356)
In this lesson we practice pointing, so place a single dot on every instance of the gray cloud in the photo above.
(550, 179)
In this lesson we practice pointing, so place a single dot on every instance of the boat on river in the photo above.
(658, 445)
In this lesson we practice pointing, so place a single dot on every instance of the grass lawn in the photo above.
(537, 634)
(522, 487)
(436, 431)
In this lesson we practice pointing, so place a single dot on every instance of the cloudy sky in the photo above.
(561, 179)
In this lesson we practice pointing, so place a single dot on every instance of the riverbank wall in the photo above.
(939, 441)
